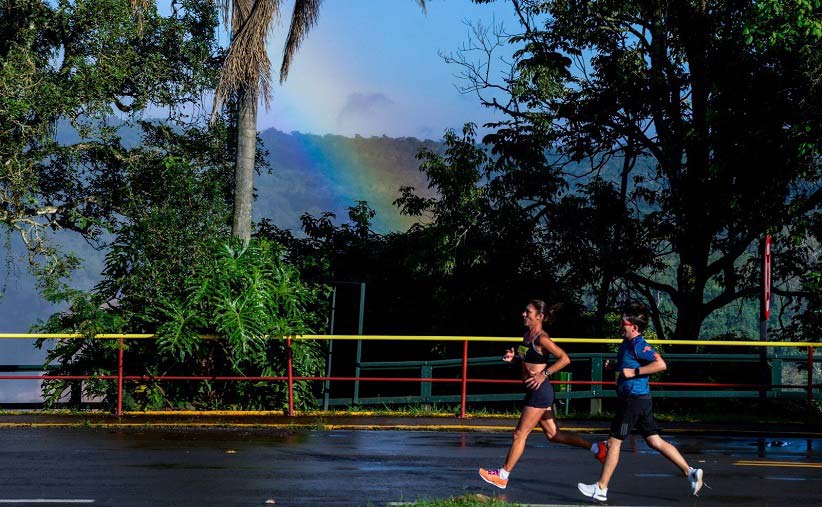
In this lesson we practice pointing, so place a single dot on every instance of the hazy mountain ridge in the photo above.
(296, 184)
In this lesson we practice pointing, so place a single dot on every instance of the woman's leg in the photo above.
(527, 422)
(550, 426)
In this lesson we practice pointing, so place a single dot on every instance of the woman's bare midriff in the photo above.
(529, 369)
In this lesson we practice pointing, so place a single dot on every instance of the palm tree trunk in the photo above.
(244, 167)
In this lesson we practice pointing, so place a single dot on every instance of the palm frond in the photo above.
(242, 322)
(303, 19)
(177, 337)
(247, 66)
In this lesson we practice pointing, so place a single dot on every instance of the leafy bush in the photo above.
(248, 296)
(243, 293)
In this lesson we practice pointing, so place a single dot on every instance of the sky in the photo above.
(373, 68)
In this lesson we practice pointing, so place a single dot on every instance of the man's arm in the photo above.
(655, 366)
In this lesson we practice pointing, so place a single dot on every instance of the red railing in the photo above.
(290, 378)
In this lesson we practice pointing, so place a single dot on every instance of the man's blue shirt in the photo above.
(634, 353)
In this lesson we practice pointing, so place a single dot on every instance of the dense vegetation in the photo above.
(622, 170)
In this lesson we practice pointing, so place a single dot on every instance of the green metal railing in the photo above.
(563, 390)
(567, 388)
(598, 387)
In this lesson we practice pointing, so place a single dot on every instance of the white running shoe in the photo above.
(695, 478)
(593, 491)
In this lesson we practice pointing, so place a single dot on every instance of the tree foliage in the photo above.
(692, 128)
(81, 62)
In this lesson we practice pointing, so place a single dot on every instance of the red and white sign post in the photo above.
(766, 280)
(764, 314)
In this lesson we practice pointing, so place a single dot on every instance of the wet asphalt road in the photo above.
(359, 468)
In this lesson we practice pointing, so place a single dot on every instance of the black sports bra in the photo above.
(532, 356)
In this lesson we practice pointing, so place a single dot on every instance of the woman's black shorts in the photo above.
(540, 398)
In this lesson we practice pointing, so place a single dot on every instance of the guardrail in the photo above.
(564, 394)
(463, 380)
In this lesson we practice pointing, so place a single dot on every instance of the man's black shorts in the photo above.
(634, 413)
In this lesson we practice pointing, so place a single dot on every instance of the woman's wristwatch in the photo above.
(636, 372)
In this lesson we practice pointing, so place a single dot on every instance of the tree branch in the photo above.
(647, 282)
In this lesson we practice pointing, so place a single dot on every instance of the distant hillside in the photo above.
(313, 173)
(310, 173)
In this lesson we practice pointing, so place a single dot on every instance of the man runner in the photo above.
(636, 361)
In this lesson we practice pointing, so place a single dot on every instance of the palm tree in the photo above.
(247, 75)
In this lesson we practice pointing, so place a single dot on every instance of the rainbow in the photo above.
(343, 170)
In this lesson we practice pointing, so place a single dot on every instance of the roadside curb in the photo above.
(365, 421)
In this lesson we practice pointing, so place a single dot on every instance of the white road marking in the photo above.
(46, 500)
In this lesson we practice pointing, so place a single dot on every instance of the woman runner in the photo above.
(539, 397)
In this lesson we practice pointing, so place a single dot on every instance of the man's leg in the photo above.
(673, 455)
(649, 428)
(669, 451)
(611, 460)
(624, 420)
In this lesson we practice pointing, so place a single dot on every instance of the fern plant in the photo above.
(251, 299)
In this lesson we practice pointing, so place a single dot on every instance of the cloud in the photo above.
(363, 104)
(426, 132)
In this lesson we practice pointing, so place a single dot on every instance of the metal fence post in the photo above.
(426, 371)
(464, 396)
(356, 399)
(596, 389)
(120, 379)
(327, 383)
(776, 373)
(564, 377)
(357, 361)
(810, 382)
(290, 377)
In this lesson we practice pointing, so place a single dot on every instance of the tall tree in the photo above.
(720, 98)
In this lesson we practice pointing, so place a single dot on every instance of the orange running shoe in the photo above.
(602, 451)
(493, 477)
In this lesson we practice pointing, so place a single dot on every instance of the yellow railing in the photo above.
(707, 343)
